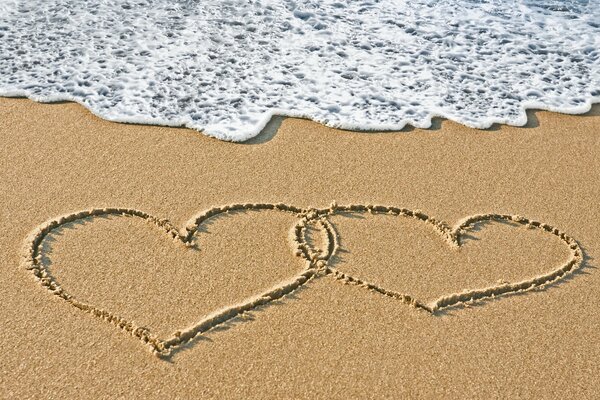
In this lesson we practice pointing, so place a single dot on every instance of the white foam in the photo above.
(225, 67)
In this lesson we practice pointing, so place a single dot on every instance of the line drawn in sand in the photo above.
(317, 262)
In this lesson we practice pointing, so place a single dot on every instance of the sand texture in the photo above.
(151, 262)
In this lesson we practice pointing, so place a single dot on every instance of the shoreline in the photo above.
(274, 117)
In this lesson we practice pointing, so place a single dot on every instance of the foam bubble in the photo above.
(225, 67)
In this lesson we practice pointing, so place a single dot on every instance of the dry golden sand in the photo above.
(325, 339)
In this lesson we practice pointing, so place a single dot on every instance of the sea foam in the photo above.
(225, 67)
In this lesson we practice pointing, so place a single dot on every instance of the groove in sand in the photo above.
(317, 262)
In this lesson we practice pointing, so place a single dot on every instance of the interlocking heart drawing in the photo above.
(318, 262)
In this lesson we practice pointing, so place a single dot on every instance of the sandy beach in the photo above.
(364, 302)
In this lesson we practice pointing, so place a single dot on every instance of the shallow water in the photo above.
(225, 67)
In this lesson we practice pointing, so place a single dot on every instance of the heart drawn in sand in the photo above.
(318, 262)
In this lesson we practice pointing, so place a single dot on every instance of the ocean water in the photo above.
(226, 67)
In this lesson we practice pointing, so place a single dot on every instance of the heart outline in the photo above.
(32, 260)
(452, 236)
(317, 263)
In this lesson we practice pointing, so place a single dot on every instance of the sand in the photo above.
(289, 295)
